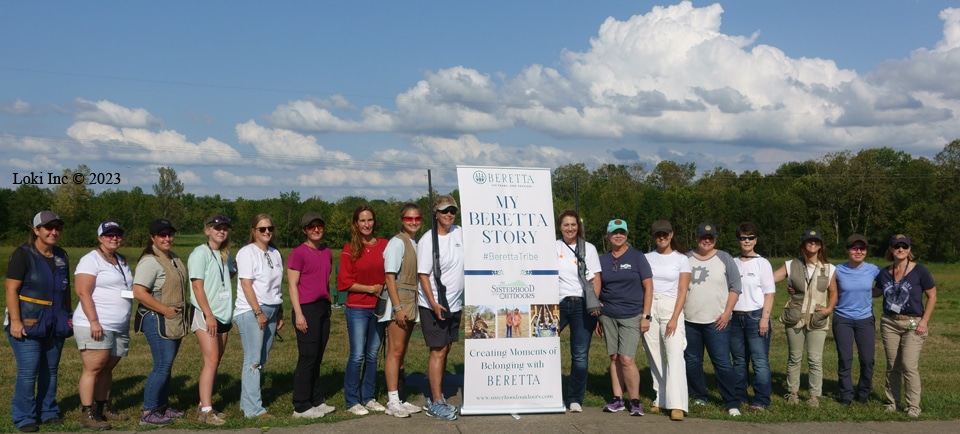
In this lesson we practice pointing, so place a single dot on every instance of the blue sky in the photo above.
(250, 99)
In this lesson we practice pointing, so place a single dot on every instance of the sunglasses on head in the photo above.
(264, 229)
(448, 210)
(412, 219)
(747, 237)
(901, 247)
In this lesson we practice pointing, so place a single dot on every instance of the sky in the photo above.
(333, 99)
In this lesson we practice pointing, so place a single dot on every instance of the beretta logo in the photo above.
(480, 177)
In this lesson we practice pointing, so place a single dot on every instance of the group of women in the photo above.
(174, 300)
(680, 303)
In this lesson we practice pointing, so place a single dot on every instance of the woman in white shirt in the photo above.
(258, 311)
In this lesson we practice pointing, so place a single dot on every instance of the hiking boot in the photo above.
(155, 417)
(676, 414)
(655, 409)
(614, 406)
(210, 417)
(106, 412)
(89, 420)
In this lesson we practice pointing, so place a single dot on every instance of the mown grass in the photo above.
(941, 396)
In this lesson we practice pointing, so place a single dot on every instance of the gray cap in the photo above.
(443, 202)
(44, 217)
(310, 217)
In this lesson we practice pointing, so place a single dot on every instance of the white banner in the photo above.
(512, 360)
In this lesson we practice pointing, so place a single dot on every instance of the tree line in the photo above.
(875, 192)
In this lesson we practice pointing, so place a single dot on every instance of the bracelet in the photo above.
(398, 308)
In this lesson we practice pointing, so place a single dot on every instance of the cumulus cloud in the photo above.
(285, 146)
(105, 142)
(19, 108)
(112, 114)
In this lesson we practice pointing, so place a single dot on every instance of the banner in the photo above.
(511, 313)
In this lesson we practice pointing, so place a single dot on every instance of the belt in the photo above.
(744, 312)
(901, 317)
(572, 298)
(36, 301)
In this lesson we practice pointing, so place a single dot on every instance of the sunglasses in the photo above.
(858, 249)
(448, 210)
(901, 247)
(53, 227)
(312, 228)
(616, 265)
(410, 219)
(747, 237)
(165, 234)
(222, 228)
(264, 229)
(113, 236)
(269, 261)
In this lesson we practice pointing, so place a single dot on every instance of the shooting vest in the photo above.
(810, 293)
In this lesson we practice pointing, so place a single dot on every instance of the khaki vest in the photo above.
(408, 278)
(800, 311)
(174, 293)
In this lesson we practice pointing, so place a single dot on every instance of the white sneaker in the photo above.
(373, 405)
(576, 407)
(312, 413)
(359, 410)
(395, 409)
(410, 407)
(734, 412)
(325, 409)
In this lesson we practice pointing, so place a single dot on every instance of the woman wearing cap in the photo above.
(579, 272)
(853, 320)
(101, 321)
(258, 310)
(400, 266)
(813, 295)
(626, 293)
(904, 325)
(212, 299)
(665, 340)
(750, 325)
(714, 289)
(161, 288)
(37, 321)
(308, 276)
(362, 276)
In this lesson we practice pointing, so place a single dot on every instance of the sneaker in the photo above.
(636, 407)
(210, 417)
(266, 416)
(395, 409)
(373, 405)
(359, 410)
(441, 410)
(310, 413)
(575, 407)
(411, 408)
(171, 413)
(757, 409)
(30, 427)
(614, 406)
(733, 412)
(426, 405)
(890, 408)
(155, 418)
(676, 414)
(325, 409)
(814, 402)
(792, 398)
(89, 420)
(55, 421)
(913, 413)
(699, 402)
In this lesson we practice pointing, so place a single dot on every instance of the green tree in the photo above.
(169, 192)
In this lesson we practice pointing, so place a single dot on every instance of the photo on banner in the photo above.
(511, 313)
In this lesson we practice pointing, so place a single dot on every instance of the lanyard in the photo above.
(220, 266)
(115, 267)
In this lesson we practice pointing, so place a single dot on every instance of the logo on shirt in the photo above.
(698, 275)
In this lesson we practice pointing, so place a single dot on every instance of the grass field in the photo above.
(941, 393)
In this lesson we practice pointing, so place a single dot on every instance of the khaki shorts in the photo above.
(117, 342)
(621, 334)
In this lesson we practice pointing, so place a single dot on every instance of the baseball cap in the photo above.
(705, 229)
(857, 238)
(660, 226)
(160, 224)
(109, 227)
(811, 234)
(900, 239)
(217, 220)
(616, 224)
(310, 217)
(443, 202)
(44, 217)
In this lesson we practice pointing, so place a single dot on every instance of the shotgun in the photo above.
(435, 237)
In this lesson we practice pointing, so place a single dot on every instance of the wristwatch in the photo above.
(647, 317)
(397, 308)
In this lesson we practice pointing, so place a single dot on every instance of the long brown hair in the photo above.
(821, 254)
(356, 239)
(253, 228)
(570, 213)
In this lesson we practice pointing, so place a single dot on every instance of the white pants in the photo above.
(665, 355)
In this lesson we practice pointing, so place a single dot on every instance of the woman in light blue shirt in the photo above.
(853, 320)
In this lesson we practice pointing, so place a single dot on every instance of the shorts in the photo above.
(436, 333)
(200, 323)
(117, 342)
(621, 334)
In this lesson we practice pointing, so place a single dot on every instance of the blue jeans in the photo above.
(747, 346)
(38, 361)
(156, 392)
(256, 345)
(717, 343)
(365, 335)
(845, 332)
(573, 312)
